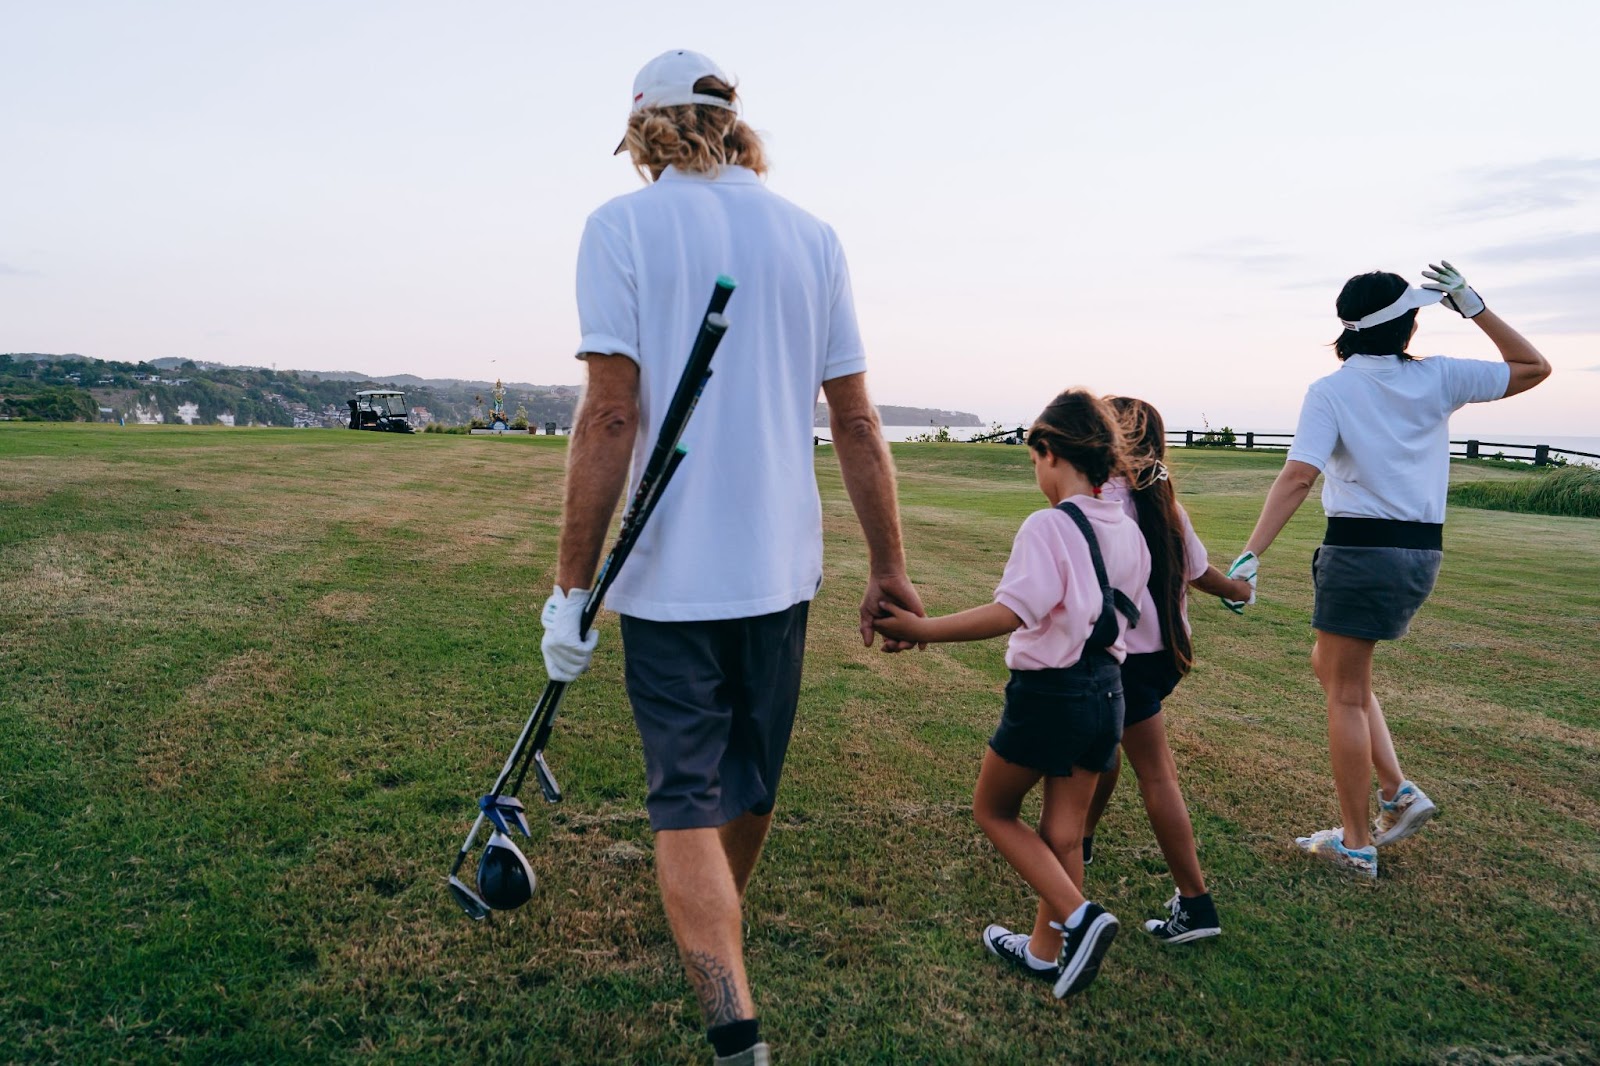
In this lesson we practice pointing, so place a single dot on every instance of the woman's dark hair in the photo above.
(1081, 428)
(1362, 295)
(1156, 501)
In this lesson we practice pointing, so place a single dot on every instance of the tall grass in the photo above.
(1572, 491)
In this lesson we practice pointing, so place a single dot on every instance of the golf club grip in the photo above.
(687, 394)
(720, 293)
(625, 542)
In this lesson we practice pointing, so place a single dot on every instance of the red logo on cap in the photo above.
(637, 97)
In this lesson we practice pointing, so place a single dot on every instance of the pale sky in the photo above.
(1159, 199)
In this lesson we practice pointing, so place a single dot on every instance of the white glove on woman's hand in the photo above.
(1457, 296)
(1244, 568)
(565, 656)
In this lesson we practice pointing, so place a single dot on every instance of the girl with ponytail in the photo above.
(1159, 655)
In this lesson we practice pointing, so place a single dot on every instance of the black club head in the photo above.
(505, 880)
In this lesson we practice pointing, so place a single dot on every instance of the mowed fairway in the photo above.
(251, 682)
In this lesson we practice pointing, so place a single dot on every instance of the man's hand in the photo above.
(566, 656)
(1457, 295)
(888, 588)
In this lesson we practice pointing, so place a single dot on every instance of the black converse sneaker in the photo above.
(1013, 947)
(1193, 918)
(1082, 948)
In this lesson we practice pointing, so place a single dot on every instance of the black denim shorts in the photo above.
(1056, 721)
(1147, 679)
(714, 702)
(1370, 593)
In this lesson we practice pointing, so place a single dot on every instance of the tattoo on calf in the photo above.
(714, 985)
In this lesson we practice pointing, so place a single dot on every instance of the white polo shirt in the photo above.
(1379, 430)
(738, 531)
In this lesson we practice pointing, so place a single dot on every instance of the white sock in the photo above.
(1075, 919)
(1035, 961)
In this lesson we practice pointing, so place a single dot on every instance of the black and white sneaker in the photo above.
(1013, 947)
(1193, 918)
(1082, 949)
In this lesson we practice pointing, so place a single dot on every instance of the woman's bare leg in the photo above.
(1344, 667)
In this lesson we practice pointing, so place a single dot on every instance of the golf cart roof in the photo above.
(379, 392)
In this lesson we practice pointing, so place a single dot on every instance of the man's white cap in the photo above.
(1409, 300)
(668, 81)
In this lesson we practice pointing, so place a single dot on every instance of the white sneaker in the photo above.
(1328, 844)
(1400, 817)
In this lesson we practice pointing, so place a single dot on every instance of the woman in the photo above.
(1378, 427)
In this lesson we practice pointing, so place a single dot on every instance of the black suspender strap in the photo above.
(1112, 599)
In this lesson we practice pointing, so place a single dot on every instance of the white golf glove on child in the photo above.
(565, 655)
(1457, 295)
(1244, 568)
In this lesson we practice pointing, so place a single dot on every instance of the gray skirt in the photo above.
(1370, 593)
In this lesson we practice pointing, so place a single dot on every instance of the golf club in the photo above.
(505, 880)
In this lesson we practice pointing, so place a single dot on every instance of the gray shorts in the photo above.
(714, 702)
(1370, 593)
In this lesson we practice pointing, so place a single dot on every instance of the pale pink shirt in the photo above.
(1147, 638)
(1049, 582)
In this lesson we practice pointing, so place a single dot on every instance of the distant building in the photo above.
(108, 414)
(420, 416)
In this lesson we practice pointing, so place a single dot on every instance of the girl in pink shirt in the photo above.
(1159, 655)
(1068, 587)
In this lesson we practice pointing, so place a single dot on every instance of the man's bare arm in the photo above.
(868, 472)
(603, 432)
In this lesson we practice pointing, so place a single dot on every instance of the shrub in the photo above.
(1570, 490)
(940, 436)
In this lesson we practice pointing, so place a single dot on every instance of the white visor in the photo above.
(1409, 300)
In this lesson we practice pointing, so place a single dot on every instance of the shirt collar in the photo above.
(727, 175)
(1372, 362)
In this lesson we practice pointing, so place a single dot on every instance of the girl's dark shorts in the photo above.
(1147, 679)
(1059, 720)
(1370, 593)
(714, 702)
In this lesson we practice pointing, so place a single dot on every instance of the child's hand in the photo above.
(897, 623)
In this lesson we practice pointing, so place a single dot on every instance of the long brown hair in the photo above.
(1155, 499)
(1083, 429)
(695, 138)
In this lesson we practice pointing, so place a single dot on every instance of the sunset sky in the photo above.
(1159, 199)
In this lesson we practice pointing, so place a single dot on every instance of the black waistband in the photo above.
(1384, 533)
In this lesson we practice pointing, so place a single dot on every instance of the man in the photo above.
(714, 598)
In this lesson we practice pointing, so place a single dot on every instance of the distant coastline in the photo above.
(892, 415)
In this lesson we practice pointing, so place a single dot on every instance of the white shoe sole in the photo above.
(1077, 974)
(1182, 938)
(1415, 817)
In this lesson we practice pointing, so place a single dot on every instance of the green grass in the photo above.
(1570, 490)
(251, 680)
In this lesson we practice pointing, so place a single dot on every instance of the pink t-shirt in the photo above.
(1147, 638)
(1049, 582)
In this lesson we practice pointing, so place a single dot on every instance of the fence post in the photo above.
(1541, 455)
(1188, 438)
(1250, 439)
(1472, 449)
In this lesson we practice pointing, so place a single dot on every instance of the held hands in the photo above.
(1244, 569)
(897, 591)
(566, 656)
(899, 625)
(1457, 295)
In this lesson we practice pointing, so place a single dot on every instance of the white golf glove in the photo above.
(1457, 295)
(1244, 568)
(565, 656)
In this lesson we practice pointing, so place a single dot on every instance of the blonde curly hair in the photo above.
(697, 138)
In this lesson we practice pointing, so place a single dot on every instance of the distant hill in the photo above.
(892, 415)
(76, 387)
